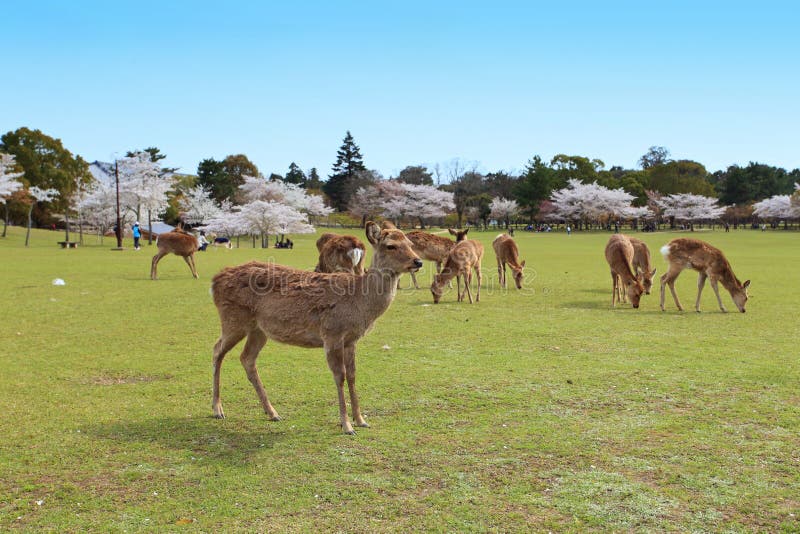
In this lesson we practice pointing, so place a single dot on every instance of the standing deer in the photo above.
(710, 262)
(340, 253)
(619, 255)
(264, 301)
(434, 248)
(507, 253)
(178, 242)
(465, 257)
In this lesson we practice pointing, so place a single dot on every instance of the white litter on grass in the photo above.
(425, 305)
(39, 503)
(386, 347)
(59, 282)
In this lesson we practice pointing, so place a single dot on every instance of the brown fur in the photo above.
(335, 254)
(465, 257)
(641, 263)
(710, 262)
(507, 253)
(264, 301)
(433, 247)
(178, 242)
(619, 255)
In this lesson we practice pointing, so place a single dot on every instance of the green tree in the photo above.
(47, 164)
(464, 188)
(295, 175)
(655, 156)
(740, 185)
(501, 184)
(534, 186)
(575, 167)
(681, 176)
(415, 175)
(314, 181)
(237, 166)
(349, 162)
(211, 175)
(155, 157)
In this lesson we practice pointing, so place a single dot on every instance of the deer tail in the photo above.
(355, 254)
(665, 251)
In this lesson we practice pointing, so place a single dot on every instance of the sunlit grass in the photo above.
(535, 409)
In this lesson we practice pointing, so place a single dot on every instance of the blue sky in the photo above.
(415, 82)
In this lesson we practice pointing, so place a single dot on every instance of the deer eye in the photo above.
(390, 247)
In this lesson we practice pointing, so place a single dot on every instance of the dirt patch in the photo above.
(115, 379)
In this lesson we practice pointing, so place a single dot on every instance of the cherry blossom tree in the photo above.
(98, 208)
(690, 208)
(8, 183)
(267, 217)
(144, 187)
(398, 200)
(503, 209)
(257, 188)
(37, 194)
(593, 202)
(198, 206)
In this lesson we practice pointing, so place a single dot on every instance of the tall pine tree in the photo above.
(295, 175)
(349, 162)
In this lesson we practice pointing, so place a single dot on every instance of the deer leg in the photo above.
(190, 262)
(467, 283)
(414, 279)
(350, 375)
(226, 341)
(480, 279)
(501, 273)
(701, 281)
(194, 267)
(669, 278)
(713, 282)
(336, 362)
(614, 291)
(255, 342)
(154, 265)
(459, 294)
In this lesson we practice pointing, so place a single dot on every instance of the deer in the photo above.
(507, 253)
(619, 255)
(332, 311)
(710, 263)
(340, 253)
(641, 264)
(465, 257)
(179, 242)
(434, 248)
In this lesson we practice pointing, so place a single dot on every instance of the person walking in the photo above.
(137, 235)
(569, 230)
(202, 242)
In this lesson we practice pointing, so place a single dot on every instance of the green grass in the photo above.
(542, 409)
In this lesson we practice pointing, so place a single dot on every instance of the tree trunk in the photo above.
(149, 227)
(66, 225)
(28, 233)
(5, 219)
(80, 228)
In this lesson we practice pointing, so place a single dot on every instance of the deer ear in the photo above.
(654, 272)
(746, 284)
(452, 232)
(373, 233)
(465, 232)
(522, 264)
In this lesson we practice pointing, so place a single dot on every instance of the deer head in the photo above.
(518, 274)
(647, 281)
(461, 235)
(392, 250)
(634, 289)
(739, 295)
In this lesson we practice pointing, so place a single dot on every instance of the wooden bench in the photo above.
(68, 244)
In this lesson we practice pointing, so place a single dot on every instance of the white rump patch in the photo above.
(498, 237)
(665, 251)
(356, 254)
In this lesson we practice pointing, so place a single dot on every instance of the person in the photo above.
(202, 242)
(569, 230)
(137, 234)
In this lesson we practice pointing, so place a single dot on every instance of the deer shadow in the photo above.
(220, 440)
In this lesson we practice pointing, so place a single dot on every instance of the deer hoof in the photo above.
(219, 416)
(363, 424)
(276, 417)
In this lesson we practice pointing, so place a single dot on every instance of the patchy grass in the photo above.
(541, 409)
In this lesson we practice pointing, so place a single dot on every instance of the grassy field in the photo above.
(542, 409)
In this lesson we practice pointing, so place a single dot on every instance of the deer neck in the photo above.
(378, 288)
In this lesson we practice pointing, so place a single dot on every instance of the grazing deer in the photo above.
(619, 255)
(507, 253)
(434, 248)
(465, 257)
(710, 262)
(178, 242)
(641, 263)
(264, 301)
(340, 253)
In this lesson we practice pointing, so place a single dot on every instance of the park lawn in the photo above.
(541, 409)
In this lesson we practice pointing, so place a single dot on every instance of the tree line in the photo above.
(38, 160)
